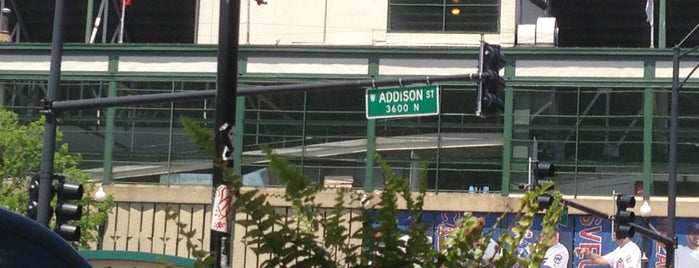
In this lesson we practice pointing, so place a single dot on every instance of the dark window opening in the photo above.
(622, 23)
(145, 21)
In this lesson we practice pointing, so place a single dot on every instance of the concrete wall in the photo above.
(138, 221)
(338, 22)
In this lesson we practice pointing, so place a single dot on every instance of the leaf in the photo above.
(201, 137)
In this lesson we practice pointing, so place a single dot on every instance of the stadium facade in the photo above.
(588, 83)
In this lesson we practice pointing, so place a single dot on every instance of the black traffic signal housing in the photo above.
(545, 201)
(542, 171)
(33, 204)
(66, 209)
(622, 218)
(490, 87)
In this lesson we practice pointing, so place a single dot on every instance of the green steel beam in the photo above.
(370, 149)
(508, 130)
(336, 51)
(107, 175)
(239, 128)
(370, 136)
(648, 100)
(154, 258)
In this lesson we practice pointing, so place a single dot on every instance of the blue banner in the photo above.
(581, 232)
(584, 232)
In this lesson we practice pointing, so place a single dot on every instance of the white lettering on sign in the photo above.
(401, 96)
(402, 101)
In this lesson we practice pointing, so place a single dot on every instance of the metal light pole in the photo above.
(225, 108)
(672, 153)
(49, 147)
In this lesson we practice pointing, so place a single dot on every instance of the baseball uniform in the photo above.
(627, 255)
(556, 257)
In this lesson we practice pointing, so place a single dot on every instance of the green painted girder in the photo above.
(120, 255)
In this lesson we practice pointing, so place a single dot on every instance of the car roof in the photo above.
(27, 244)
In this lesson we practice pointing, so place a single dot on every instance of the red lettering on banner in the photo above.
(585, 263)
(594, 241)
(660, 254)
(589, 233)
(590, 220)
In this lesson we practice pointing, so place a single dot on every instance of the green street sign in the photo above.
(410, 101)
(563, 219)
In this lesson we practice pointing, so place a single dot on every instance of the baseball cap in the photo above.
(693, 228)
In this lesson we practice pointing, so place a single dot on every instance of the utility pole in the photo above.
(672, 156)
(225, 107)
(49, 147)
(672, 153)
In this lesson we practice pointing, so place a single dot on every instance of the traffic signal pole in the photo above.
(479, 91)
(72, 105)
(49, 147)
(224, 124)
(672, 152)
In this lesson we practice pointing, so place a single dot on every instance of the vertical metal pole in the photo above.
(662, 6)
(225, 104)
(88, 20)
(508, 123)
(2, 15)
(110, 123)
(121, 21)
(49, 148)
(648, 101)
(479, 94)
(672, 154)
(105, 11)
(370, 149)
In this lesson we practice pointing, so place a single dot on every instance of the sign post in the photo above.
(410, 101)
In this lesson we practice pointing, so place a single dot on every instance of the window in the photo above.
(145, 21)
(601, 23)
(471, 16)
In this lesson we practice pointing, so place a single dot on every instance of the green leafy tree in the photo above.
(20, 157)
(295, 240)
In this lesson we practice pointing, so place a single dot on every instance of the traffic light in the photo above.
(545, 201)
(622, 229)
(490, 61)
(66, 210)
(33, 204)
(541, 172)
